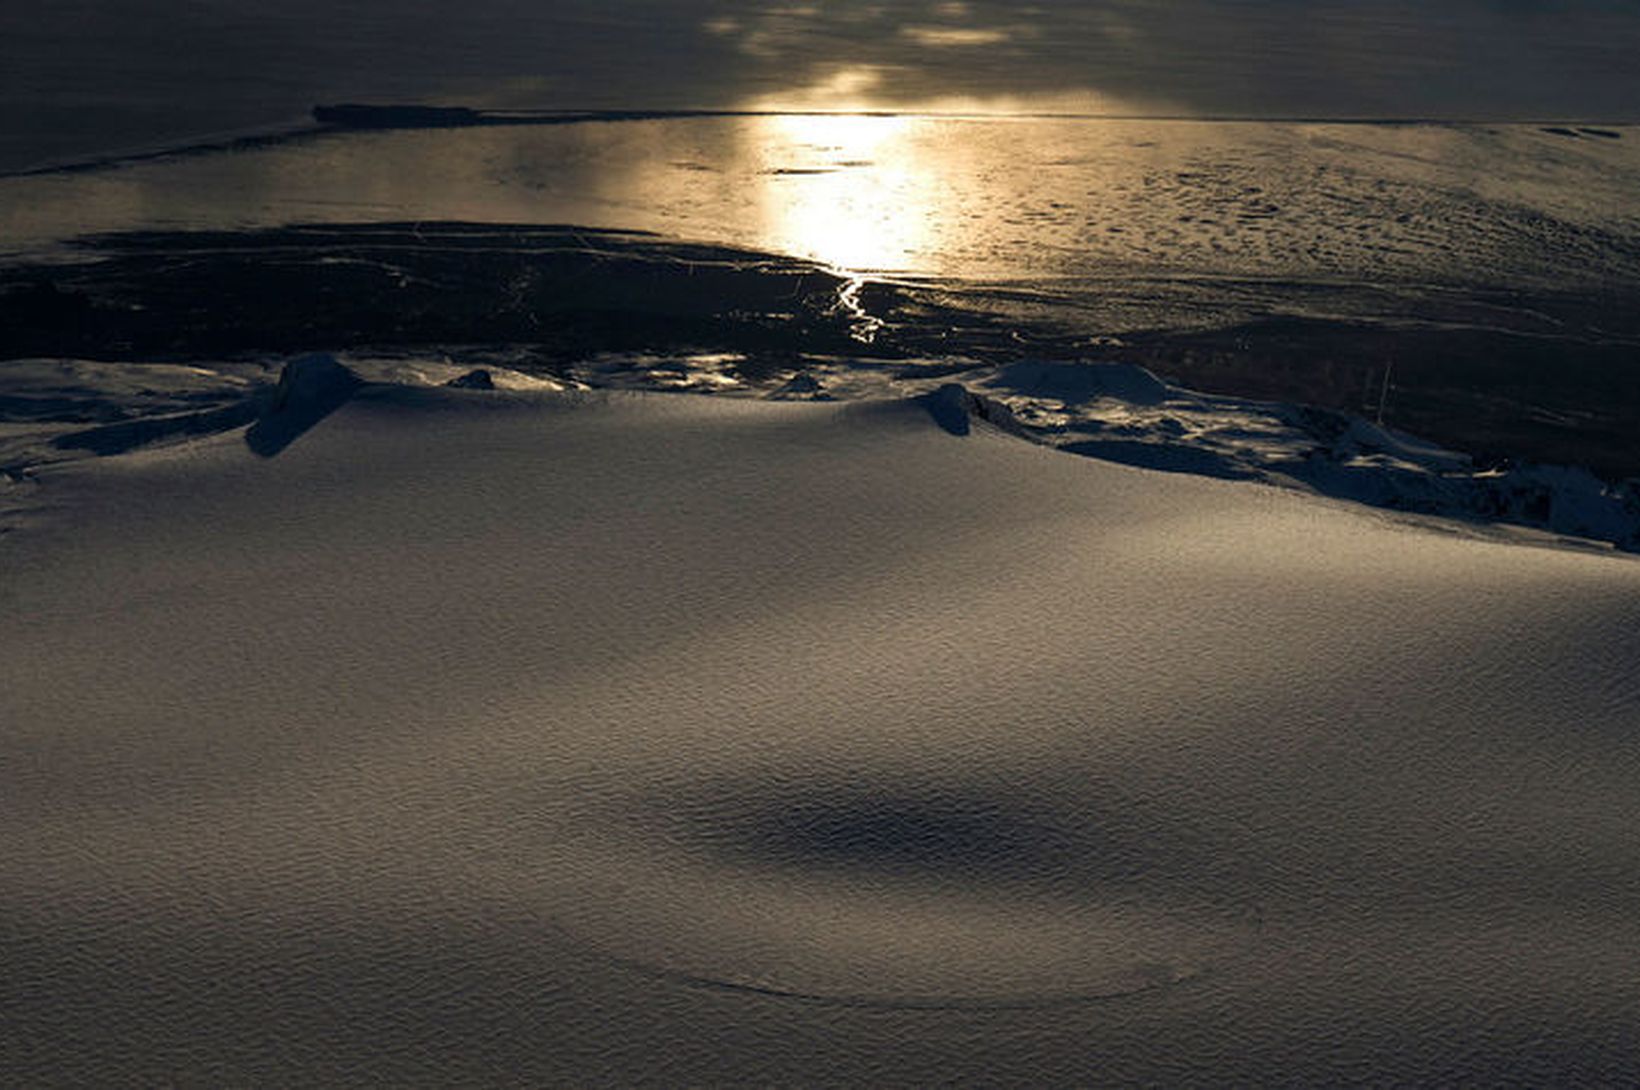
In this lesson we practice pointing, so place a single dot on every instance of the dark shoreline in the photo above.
(550, 296)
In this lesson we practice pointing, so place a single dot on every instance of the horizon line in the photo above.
(483, 117)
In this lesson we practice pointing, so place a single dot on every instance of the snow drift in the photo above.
(486, 736)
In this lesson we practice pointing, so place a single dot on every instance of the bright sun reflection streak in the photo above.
(846, 190)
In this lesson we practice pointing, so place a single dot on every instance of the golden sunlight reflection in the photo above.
(849, 191)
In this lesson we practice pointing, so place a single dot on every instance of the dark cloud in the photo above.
(91, 70)
(1470, 58)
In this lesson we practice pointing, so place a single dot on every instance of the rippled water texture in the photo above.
(1410, 205)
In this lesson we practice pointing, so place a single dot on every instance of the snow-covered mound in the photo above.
(1114, 411)
(1124, 413)
(479, 736)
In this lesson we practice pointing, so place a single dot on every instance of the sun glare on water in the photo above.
(847, 190)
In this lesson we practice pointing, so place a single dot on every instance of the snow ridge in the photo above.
(1110, 410)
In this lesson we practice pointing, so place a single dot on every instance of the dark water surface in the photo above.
(1398, 208)
(1474, 283)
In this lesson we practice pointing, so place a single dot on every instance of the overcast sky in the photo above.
(110, 73)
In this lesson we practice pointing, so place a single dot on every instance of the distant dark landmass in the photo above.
(355, 116)
(352, 115)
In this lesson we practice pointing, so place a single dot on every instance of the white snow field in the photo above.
(511, 736)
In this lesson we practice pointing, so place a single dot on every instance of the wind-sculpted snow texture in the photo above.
(507, 736)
